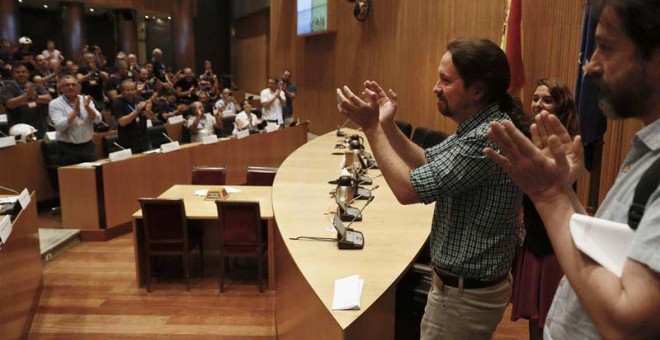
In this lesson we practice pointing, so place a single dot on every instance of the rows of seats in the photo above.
(421, 136)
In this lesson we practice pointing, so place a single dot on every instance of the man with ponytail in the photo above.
(475, 223)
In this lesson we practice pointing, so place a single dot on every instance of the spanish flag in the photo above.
(512, 45)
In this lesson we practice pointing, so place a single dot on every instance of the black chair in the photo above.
(208, 175)
(166, 233)
(51, 155)
(156, 136)
(227, 126)
(109, 145)
(405, 127)
(241, 234)
(434, 138)
(419, 135)
(261, 175)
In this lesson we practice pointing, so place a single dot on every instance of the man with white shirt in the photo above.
(201, 124)
(272, 100)
(227, 105)
(74, 117)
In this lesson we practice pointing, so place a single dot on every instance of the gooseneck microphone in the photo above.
(119, 146)
(168, 137)
(339, 132)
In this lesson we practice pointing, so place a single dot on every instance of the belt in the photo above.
(454, 281)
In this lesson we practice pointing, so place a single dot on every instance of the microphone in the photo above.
(348, 238)
(168, 137)
(119, 146)
(103, 123)
(371, 199)
(4, 134)
(339, 132)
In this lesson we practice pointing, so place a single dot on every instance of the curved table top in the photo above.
(393, 234)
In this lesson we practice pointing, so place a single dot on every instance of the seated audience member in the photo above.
(227, 105)
(169, 108)
(214, 92)
(160, 70)
(131, 113)
(536, 271)
(246, 119)
(73, 116)
(24, 101)
(208, 74)
(52, 55)
(145, 86)
(207, 105)
(5, 51)
(592, 301)
(201, 124)
(24, 53)
(272, 99)
(185, 87)
(43, 75)
(133, 66)
(113, 89)
(91, 79)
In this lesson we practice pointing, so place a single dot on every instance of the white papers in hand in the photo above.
(606, 242)
(348, 291)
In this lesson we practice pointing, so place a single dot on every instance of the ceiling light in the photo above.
(91, 10)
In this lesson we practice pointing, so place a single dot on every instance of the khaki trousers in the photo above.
(453, 313)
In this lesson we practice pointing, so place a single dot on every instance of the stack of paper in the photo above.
(606, 242)
(348, 291)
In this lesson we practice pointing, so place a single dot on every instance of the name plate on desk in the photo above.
(242, 134)
(175, 119)
(3, 118)
(120, 155)
(169, 147)
(24, 198)
(209, 139)
(50, 136)
(7, 141)
(272, 127)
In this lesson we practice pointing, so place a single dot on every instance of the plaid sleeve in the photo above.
(452, 170)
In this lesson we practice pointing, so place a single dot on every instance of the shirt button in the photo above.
(626, 167)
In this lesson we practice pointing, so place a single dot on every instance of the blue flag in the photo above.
(592, 121)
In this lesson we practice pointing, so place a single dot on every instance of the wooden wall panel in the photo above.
(251, 65)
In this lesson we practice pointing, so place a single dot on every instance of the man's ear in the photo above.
(477, 91)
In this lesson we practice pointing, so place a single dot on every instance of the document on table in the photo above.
(606, 242)
(348, 291)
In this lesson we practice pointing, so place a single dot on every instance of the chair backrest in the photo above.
(156, 135)
(227, 126)
(434, 138)
(419, 135)
(261, 175)
(109, 144)
(239, 223)
(209, 175)
(164, 223)
(405, 127)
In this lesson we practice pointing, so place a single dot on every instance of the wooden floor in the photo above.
(90, 293)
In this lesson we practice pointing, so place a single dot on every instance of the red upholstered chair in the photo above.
(260, 175)
(166, 233)
(241, 235)
(209, 175)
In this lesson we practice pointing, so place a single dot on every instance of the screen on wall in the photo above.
(312, 16)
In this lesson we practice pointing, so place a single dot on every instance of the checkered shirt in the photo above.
(476, 203)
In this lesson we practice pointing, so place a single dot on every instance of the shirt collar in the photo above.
(650, 135)
(483, 116)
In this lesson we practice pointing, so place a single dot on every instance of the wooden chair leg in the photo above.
(186, 269)
(222, 271)
(148, 273)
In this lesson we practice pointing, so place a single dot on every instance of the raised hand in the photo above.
(363, 112)
(540, 173)
(548, 125)
(141, 105)
(387, 104)
(86, 101)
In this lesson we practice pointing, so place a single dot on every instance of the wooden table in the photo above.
(20, 275)
(101, 200)
(306, 270)
(200, 209)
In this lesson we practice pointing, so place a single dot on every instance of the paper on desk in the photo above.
(151, 151)
(9, 199)
(89, 164)
(5, 229)
(231, 190)
(606, 242)
(201, 192)
(348, 291)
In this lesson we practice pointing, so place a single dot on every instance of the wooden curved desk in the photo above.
(306, 270)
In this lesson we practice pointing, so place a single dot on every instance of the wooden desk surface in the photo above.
(394, 235)
(199, 208)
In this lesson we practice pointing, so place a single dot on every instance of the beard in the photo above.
(625, 99)
(443, 107)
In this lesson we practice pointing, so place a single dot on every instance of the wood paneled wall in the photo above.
(400, 46)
